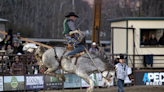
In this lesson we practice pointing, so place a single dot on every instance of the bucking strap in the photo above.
(76, 60)
(57, 58)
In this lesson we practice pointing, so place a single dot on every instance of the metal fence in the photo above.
(24, 75)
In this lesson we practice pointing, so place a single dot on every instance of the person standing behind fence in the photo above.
(17, 67)
(121, 73)
(93, 48)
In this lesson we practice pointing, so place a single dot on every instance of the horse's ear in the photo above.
(42, 49)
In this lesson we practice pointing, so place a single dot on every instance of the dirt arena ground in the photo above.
(114, 89)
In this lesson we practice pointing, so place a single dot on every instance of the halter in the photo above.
(57, 58)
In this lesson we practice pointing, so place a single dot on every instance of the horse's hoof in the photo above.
(45, 72)
(60, 79)
(89, 90)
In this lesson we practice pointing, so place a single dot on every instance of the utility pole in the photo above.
(73, 5)
(96, 21)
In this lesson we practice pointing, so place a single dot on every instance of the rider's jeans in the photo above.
(79, 49)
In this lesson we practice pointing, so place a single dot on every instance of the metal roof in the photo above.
(135, 18)
(3, 20)
(62, 40)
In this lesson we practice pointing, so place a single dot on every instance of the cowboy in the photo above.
(121, 73)
(69, 26)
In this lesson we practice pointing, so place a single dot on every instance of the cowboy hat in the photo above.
(93, 43)
(121, 57)
(72, 14)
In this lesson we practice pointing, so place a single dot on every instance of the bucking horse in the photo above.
(82, 66)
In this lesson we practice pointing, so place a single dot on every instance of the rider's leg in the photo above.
(79, 49)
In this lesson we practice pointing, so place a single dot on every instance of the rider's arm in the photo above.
(71, 25)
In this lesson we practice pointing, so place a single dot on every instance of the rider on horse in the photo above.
(69, 28)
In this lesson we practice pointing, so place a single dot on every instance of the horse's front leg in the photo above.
(88, 80)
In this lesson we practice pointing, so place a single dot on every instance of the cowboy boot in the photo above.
(68, 58)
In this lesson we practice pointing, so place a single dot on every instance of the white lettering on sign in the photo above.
(153, 78)
(34, 80)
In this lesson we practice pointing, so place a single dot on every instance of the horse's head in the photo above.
(39, 52)
(108, 77)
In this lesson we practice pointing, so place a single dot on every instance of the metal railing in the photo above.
(136, 62)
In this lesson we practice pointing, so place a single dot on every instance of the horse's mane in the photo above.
(105, 60)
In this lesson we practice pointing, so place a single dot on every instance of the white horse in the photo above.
(53, 58)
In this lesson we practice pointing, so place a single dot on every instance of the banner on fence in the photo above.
(149, 78)
(34, 82)
(1, 83)
(72, 81)
(52, 82)
(13, 83)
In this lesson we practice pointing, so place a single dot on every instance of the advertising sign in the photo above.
(34, 82)
(52, 82)
(93, 77)
(1, 83)
(150, 78)
(13, 83)
(72, 81)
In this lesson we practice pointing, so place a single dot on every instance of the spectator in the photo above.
(17, 39)
(93, 48)
(30, 68)
(10, 51)
(3, 47)
(17, 67)
(8, 47)
(10, 58)
(8, 40)
(36, 68)
(153, 40)
(8, 66)
(144, 41)
(161, 40)
(15, 48)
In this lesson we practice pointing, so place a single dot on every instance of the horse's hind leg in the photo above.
(88, 80)
(51, 71)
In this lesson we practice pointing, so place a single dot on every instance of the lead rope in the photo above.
(93, 61)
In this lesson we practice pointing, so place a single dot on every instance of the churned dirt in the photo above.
(115, 89)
